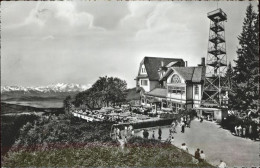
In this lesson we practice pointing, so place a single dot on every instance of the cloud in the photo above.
(78, 41)
(50, 37)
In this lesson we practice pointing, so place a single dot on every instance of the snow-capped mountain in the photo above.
(59, 87)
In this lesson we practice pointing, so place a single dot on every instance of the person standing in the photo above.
(222, 164)
(197, 154)
(201, 119)
(146, 134)
(182, 127)
(239, 129)
(160, 133)
(244, 131)
(153, 135)
(236, 131)
(172, 140)
(250, 131)
(133, 132)
(184, 147)
(118, 133)
(202, 156)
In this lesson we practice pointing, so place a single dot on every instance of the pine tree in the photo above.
(247, 65)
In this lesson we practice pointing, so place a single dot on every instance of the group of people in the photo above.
(185, 122)
(146, 134)
(199, 155)
(127, 132)
(245, 131)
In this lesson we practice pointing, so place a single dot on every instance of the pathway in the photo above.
(216, 143)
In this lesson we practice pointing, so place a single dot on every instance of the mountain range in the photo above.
(59, 87)
(56, 91)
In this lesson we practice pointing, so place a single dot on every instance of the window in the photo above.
(196, 89)
(143, 70)
(175, 79)
(144, 82)
(176, 90)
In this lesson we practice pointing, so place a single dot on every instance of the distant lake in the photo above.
(39, 104)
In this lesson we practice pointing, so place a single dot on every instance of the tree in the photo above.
(67, 104)
(104, 92)
(246, 71)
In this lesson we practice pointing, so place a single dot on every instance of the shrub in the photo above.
(10, 128)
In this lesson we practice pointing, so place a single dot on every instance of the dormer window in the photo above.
(143, 70)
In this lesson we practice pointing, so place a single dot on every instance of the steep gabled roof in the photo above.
(193, 74)
(152, 65)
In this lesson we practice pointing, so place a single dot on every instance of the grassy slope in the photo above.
(77, 143)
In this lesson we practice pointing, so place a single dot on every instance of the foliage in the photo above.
(105, 91)
(137, 153)
(246, 72)
(67, 104)
(61, 129)
(10, 126)
(231, 121)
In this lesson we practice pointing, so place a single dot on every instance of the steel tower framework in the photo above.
(216, 85)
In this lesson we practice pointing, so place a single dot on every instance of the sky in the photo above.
(79, 41)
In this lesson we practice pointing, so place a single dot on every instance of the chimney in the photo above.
(186, 63)
(203, 61)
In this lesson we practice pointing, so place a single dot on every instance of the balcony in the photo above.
(217, 15)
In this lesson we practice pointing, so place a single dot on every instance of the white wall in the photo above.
(197, 97)
(147, 87)
(179, 97)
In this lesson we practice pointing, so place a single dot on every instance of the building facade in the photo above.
(167, 84)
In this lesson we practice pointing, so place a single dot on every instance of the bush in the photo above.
(137, 153)
(10, 127)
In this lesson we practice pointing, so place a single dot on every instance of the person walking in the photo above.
(197, 154)
(222, 164)
(182, 127)
(160, 133)
(188, 121)
(185, 120)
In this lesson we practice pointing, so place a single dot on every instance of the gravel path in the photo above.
(216, 143)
